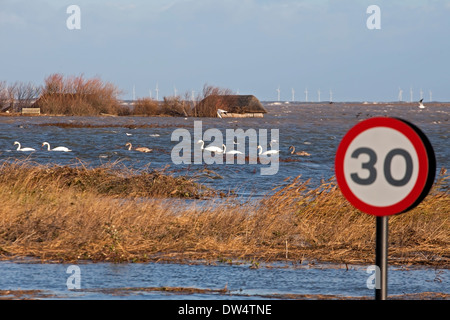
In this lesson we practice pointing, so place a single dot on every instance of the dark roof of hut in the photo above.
(236, 103)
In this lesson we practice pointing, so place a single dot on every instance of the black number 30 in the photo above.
(370, 166)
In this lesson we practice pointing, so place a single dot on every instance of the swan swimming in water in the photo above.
(267, 152)
(231, 151)
(140, 149)
(298, 153)
(63, 149)
(220, 111)
(19, 148)
(211, 148)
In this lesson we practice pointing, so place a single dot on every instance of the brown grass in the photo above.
(42, 215)
(112, 179)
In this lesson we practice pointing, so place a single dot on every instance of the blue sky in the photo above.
(249, 46)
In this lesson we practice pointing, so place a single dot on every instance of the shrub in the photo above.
(146, 107)
(75, 95)
(174, 106)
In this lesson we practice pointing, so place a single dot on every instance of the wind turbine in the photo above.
(331, 96)
(134, 93)
(150, 93)
(431, 95)
(318, 95)
(306, 95)
(278, 90)
(157, 92)
(400, 93)
(293, 95)
(175, 90)
(410, 94)
(193, 97)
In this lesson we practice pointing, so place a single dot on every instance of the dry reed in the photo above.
(57, 220)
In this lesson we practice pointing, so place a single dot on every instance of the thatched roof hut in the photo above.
(232, 105)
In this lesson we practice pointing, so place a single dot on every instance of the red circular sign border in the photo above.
(413, 137)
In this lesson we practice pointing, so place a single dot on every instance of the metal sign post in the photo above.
(381, 256)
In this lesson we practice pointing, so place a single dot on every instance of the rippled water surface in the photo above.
(314, 128)
(132, 281)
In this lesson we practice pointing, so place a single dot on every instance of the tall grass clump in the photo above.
(112, 179)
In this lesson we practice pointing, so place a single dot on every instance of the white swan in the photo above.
(220, 111)
(140, 149)
(19, 148)
(211, 148)
(421, 106)
(63, 149)
(267, 152)
(231, 151)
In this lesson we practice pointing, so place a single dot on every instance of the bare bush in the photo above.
(174, 106)
(76, 95)
(8, 96)
(208, 106)
(4, 102)
(25, 94)
(146, 107)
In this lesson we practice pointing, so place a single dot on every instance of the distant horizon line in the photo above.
(322, 102)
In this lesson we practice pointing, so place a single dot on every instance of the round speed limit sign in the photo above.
(385, 166)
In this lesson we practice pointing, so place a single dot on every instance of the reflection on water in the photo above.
(314, 128)
(240, 281)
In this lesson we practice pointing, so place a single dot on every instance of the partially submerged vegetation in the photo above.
(99, 214)
(112, 180)
(78, 96)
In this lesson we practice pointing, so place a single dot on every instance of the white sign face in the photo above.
(385, 166)
(381, 166)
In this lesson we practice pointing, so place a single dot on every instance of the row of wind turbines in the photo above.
(400, 95)
(157, 93)
(278, 90)
(411, 93)
(306, 95)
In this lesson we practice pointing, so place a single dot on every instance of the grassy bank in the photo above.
(106, 215)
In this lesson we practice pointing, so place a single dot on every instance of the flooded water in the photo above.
(222, 281)
(314, 128)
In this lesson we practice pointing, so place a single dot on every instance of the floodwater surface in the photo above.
(314, 128)
(221, 281)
